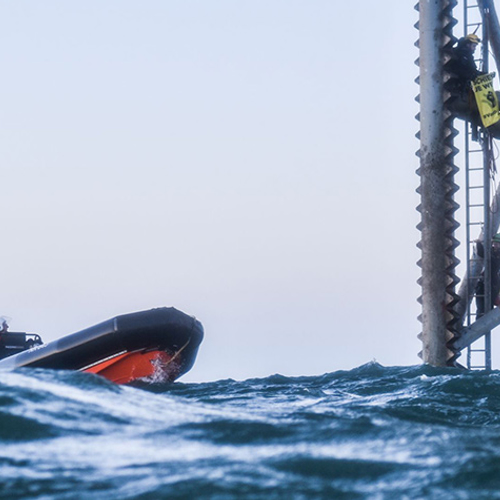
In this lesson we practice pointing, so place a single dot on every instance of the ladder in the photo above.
(477, 199)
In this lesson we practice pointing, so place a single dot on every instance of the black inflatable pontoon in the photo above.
(160, 344)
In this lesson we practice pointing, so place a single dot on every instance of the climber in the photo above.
(495, 276)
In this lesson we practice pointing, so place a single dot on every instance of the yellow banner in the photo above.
(487, 101)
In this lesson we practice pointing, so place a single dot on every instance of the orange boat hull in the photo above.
(157, 366)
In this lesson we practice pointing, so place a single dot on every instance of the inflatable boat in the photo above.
(158, 345)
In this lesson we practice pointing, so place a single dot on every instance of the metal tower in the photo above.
(444, 313)
(437, 188)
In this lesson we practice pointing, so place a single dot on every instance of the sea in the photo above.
(372, 432)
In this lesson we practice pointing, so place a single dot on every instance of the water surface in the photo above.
(371, 432)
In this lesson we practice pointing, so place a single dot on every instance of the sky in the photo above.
(251, 163)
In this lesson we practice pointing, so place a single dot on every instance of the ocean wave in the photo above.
(370, 432)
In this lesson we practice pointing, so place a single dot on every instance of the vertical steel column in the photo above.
(493, 27)
(432, 171)
(487, 229)
(466, 289)
(437, 187)
(488, 299)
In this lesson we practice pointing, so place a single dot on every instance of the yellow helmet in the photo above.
(473, 38)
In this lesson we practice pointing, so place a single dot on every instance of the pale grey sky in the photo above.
(251, 163)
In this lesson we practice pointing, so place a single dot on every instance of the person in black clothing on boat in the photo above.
(3, 328)
(495, 276)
